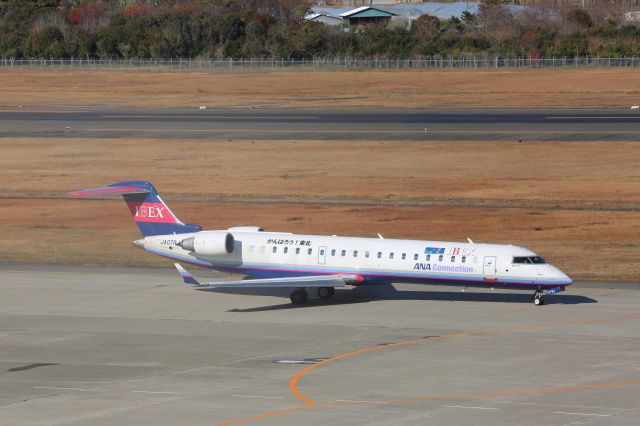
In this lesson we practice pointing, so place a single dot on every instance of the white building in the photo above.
(323, 18)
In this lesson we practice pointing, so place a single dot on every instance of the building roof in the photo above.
(367, 11)
(411, 10)
(313, 16)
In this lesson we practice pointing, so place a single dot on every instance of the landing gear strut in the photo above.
(326, 292)
(538, 297)
(299, 297)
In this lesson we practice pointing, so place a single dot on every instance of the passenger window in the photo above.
(464, 259)
(428, 257)
(333, 252)
(344, 253)
(355, 253)
(453, 259)
(321, 252)
(391, 255)
(275, 249)
(309, 251)
(366, 254)
(297, 250)
(379, 255)
(404, 256)
(415, 257)
(440, 258)
(286, 250)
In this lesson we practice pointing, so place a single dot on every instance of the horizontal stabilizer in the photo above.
(285, 282)
(110, 190)
(152, 215)
(186, 276)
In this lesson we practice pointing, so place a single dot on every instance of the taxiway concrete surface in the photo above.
(84, 346)
(322, 124)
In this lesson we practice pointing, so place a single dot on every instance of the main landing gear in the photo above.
(326, 292)
(300, 296)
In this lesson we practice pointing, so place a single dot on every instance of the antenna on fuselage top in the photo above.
(469, 239)
(381, 237)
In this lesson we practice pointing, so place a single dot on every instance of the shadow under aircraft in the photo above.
(383, 292)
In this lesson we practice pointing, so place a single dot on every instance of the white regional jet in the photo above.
(303, 262)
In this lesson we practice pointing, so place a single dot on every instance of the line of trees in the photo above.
(275, 29)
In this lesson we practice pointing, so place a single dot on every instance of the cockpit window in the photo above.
(529, 260)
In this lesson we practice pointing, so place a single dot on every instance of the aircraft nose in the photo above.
(561, 276)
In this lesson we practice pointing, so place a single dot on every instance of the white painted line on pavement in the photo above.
(583, 414)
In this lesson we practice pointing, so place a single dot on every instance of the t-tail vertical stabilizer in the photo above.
(149, 211)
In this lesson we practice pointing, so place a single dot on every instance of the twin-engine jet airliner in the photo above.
(304, 262)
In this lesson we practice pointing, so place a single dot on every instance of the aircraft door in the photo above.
(322, 255)
(489, 269)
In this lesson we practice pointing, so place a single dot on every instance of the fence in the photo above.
(322, 64)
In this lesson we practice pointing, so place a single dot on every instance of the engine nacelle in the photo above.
(209, 243)
(246, 229)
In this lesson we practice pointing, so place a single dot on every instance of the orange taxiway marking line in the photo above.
(310, 403)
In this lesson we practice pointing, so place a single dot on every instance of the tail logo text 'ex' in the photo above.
(150, 212)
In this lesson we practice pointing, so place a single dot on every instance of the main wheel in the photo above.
(298, 297)
(326, 292)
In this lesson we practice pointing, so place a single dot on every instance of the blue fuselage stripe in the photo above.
(369, 276)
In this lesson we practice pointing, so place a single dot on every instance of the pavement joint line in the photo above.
(509, 132)
(582, 117)
(583, 414)
(361, 402)
(471, 408)
(235, 117)
(158, 392)
(60, 388)
(258, 396)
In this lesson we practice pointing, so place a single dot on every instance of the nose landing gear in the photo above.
(538, 298)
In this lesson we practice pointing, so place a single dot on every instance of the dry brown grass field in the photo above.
(523, 88)
(575, 203)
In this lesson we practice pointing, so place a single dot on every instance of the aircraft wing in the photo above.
(285, 282)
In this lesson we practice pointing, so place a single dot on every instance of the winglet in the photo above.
(186, 276)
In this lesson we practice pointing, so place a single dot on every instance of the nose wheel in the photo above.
(538, 297)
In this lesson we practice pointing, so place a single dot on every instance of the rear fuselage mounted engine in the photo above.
(209, 243)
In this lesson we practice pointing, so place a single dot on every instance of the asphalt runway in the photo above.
(323, 124)
(88, 346)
